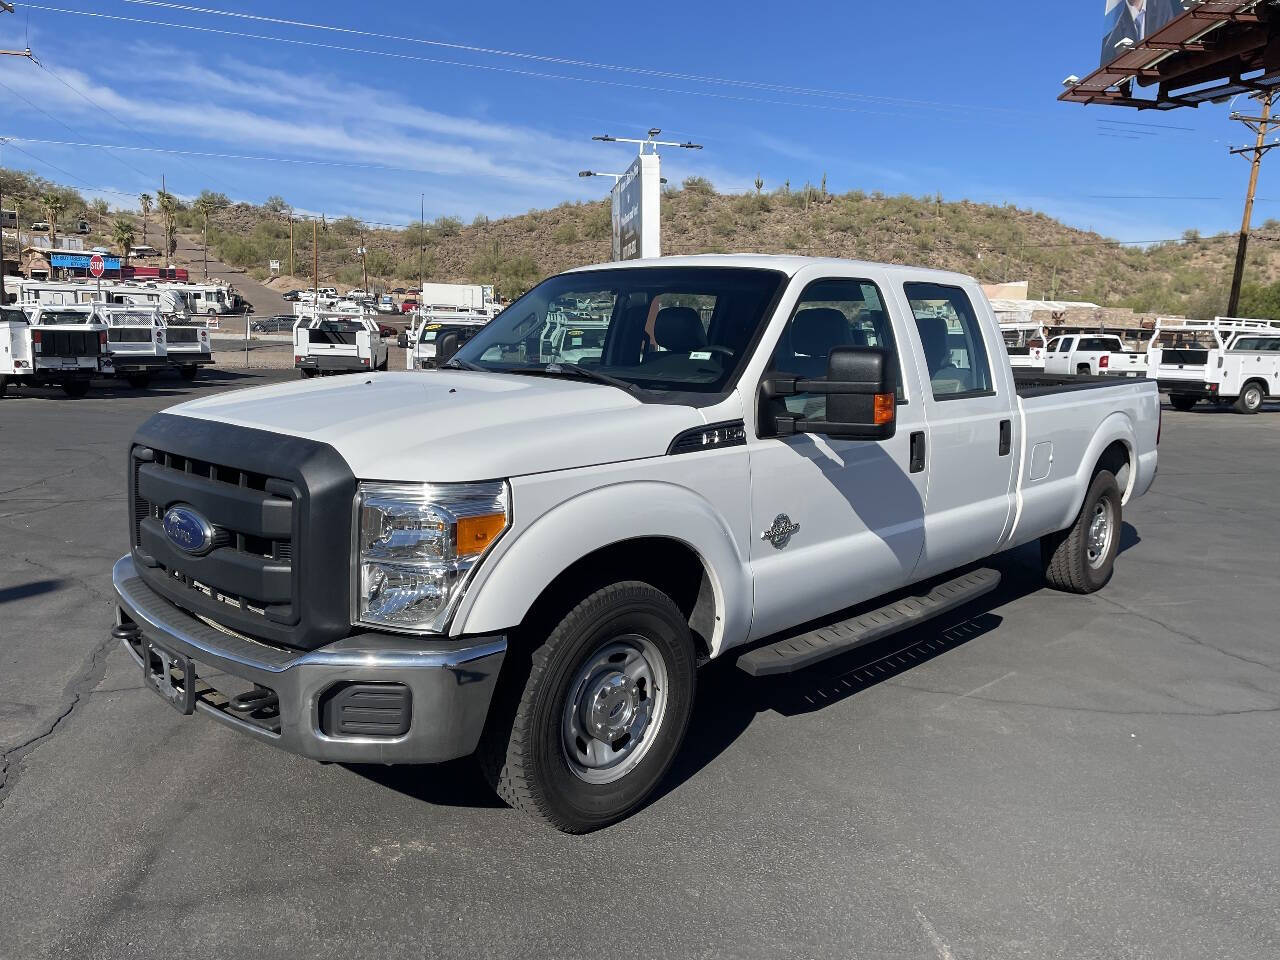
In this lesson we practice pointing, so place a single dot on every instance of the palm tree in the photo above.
(207, 204)
(123, 234)
(144, 202)
(168, 205)
(53, 206)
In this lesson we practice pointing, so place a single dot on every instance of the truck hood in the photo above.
(449, 426)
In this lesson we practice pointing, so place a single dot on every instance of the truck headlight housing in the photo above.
(416, 545)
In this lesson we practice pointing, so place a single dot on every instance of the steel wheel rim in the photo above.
(614, 709)
(1101, 530)
(1253, 398)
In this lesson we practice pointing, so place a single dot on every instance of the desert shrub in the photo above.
(699, 185)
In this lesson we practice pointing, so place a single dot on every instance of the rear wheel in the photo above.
(1250, 399)
(1182, 401)
(139, 381)
(1083, 370)
(1081, 558)
(306, 373)
(585, 731)
(4, 385)
(189, 372)
(75, 388)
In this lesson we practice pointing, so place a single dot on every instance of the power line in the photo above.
(570, 62)
(304, 161)
(66, 126)
(314, 44)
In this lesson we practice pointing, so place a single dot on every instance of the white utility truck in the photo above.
(327, 342)
(1225, 360)
(1093, 354)
(773, 459)
(437, 334)
(188, 347)
(53, 346)
(136, 339)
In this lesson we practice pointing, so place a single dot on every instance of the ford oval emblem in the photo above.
(187, 530)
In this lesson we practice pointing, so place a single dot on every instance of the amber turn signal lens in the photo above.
(476, 533)
(885, 409)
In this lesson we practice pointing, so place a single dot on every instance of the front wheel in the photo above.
(1082, 558)
(1181, 401)
(1250, 399)
(586, 731)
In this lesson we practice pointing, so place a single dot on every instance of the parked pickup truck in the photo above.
(773, 459)
(1224, 360)
(1093, 355)
(53, 346)
(326, 343)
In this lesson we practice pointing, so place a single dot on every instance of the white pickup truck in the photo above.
(52, 346)
(326, 342)
(773, 459)
(1093, 355)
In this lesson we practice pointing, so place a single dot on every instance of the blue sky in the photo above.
(957, 98)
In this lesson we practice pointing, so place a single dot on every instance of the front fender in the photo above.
(507, 585)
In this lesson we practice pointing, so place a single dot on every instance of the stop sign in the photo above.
(97, 266)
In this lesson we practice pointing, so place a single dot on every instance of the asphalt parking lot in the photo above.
(1044, 776)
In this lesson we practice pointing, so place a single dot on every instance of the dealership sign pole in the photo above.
(636, 198)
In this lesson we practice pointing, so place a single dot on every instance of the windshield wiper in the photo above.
(561, 366)
(456, 364)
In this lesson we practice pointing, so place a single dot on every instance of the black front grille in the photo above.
(271, 501)
(68, 343)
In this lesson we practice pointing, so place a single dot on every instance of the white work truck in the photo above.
(1093, 355)
(437, 333)
(773, 459)
(188, 347)
(1224, 360)
(327, 342)
(52, 346)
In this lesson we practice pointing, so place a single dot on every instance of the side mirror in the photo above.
(402, 341)
(861, 392)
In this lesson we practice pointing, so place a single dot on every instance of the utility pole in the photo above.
(291, 272)
(8, 8)
(1260, 126)
(422, 247)
(364, 263)
(315, 267)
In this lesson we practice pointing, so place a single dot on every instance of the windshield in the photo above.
(61, 318)
(659, 328)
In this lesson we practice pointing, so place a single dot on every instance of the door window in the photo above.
(952, 341)
(830, 313)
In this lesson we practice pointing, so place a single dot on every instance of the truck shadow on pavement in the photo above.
(728, 700)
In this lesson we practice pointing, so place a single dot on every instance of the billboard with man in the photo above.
(1133, 20)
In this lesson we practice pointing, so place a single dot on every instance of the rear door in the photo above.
(835, 522)
(972, 429)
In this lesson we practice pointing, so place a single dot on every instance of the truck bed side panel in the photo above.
(1066, 433)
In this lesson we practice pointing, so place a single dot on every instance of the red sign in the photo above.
(97, 266)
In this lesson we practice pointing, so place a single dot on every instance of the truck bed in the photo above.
(1036, 383)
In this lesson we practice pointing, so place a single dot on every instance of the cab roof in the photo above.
(784, 263)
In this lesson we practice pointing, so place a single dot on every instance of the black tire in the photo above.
(525, 751)
(1083, 370)
(1182, 401)
(1072, 562)
(191, 372)
(1251, 398)
(75, 388)
(307, 374)
(139, 381)
(4, 386)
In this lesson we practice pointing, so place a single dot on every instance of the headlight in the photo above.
(416, 544)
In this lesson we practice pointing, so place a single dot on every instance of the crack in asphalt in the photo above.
(1098, 710)
(89, 676)
(1191, 638)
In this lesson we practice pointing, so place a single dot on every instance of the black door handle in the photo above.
(1006, 437)
(917, 451)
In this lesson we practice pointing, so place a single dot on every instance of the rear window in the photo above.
(1098, 343)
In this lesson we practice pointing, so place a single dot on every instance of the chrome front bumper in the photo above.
(450, 681)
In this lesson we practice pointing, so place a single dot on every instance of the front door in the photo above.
(972, 430)
(834, 522)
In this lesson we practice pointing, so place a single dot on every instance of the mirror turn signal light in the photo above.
(885, 408)
(476, 533)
